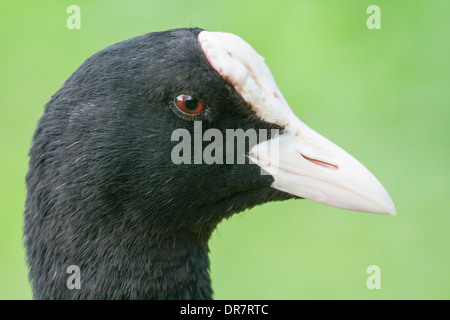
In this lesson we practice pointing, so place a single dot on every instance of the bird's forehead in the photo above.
(238, 63)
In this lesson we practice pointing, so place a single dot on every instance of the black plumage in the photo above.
(102, 191)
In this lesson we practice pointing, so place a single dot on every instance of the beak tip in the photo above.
(392, 211)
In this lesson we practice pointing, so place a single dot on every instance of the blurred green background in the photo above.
(382, 95)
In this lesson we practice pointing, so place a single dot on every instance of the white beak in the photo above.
(302, 163)
(307, 165)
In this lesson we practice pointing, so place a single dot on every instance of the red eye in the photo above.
(189, 105)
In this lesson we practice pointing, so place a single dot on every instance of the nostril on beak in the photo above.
(321, 163)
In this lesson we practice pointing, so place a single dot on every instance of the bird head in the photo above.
(148, 145)
(143, 113)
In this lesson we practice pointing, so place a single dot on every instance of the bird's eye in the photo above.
(189, 105)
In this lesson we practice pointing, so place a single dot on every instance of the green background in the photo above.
(382, 95)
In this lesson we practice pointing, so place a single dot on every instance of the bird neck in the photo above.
(154, 266)
(122, 259)
(169, 270)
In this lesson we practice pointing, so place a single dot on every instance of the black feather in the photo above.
(102, 191)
